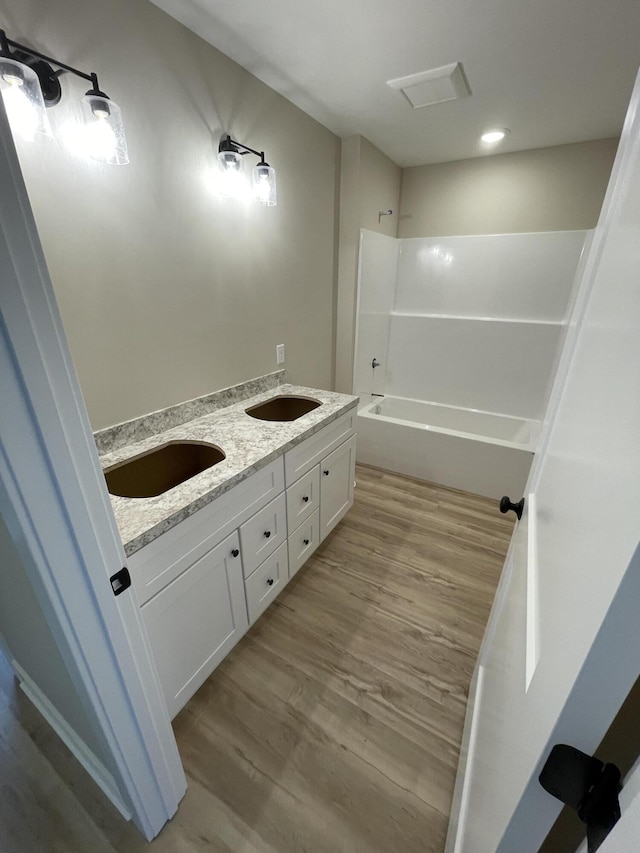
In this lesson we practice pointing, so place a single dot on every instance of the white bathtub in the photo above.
(480, 452)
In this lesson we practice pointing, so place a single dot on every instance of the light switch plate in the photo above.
(280, 354)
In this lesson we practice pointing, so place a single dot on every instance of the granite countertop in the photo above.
(249, 445)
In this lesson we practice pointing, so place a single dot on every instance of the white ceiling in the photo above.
(553, 71)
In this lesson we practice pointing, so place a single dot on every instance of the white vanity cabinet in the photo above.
(206, 579)
(190, 581)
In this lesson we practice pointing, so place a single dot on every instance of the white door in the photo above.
(561, 650)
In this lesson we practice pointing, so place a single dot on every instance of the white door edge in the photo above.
(454, 843)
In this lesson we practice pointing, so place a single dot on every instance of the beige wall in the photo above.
(548, 189)
(167, 292)
(370, 182)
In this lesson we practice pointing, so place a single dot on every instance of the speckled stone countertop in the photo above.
(249, 445)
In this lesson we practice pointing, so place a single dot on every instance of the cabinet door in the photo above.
(337, 472)
(196, 620)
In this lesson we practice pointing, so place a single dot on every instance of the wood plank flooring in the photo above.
(335, 723)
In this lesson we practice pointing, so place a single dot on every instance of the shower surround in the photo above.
(472, 326)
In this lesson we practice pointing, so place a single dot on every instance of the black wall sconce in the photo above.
(230, 154)
(30, 82)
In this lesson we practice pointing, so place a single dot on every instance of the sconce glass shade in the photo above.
(264, 184)
(231, 159)
(104, 132)
(23, 99)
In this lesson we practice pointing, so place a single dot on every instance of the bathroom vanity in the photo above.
(208, 556)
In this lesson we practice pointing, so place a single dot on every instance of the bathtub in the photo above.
(481, 452)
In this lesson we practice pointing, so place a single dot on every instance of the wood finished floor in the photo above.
(335, 723)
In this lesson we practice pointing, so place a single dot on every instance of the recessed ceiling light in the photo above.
(496, 134)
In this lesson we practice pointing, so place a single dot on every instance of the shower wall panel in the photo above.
(377, 275)
(516, 276)
(475, 321)
(501, 367)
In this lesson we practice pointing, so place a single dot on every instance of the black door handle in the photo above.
(120, 581)
(587, 785)
(506, 505)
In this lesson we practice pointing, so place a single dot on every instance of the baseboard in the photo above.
(73, 742)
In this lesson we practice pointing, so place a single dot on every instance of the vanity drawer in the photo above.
(262, 534)
(303, 498)
(303, 542)
(266, 582)
(308, 453)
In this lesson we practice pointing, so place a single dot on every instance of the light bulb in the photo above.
(23, 99)
(231, 160)
(264, 184)
(13, 79)
(103, 138)
(233, 184)
(22, 115)
(263, 189)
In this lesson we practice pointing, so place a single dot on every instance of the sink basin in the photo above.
(158, 470)
(283, 408)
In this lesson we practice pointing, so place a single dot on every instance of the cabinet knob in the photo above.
(326, 473)
(306, 499)
(306, 541)
(267, 534)
(269, 581)
(235, 552)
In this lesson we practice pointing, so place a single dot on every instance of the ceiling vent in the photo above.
(447, 83)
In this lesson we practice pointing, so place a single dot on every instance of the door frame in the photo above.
(55, 503)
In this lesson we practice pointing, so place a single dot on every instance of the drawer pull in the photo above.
(326, 473)
(269, 581)
(306, 498)
(267, 534)
(306, 541)
(235, 552)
